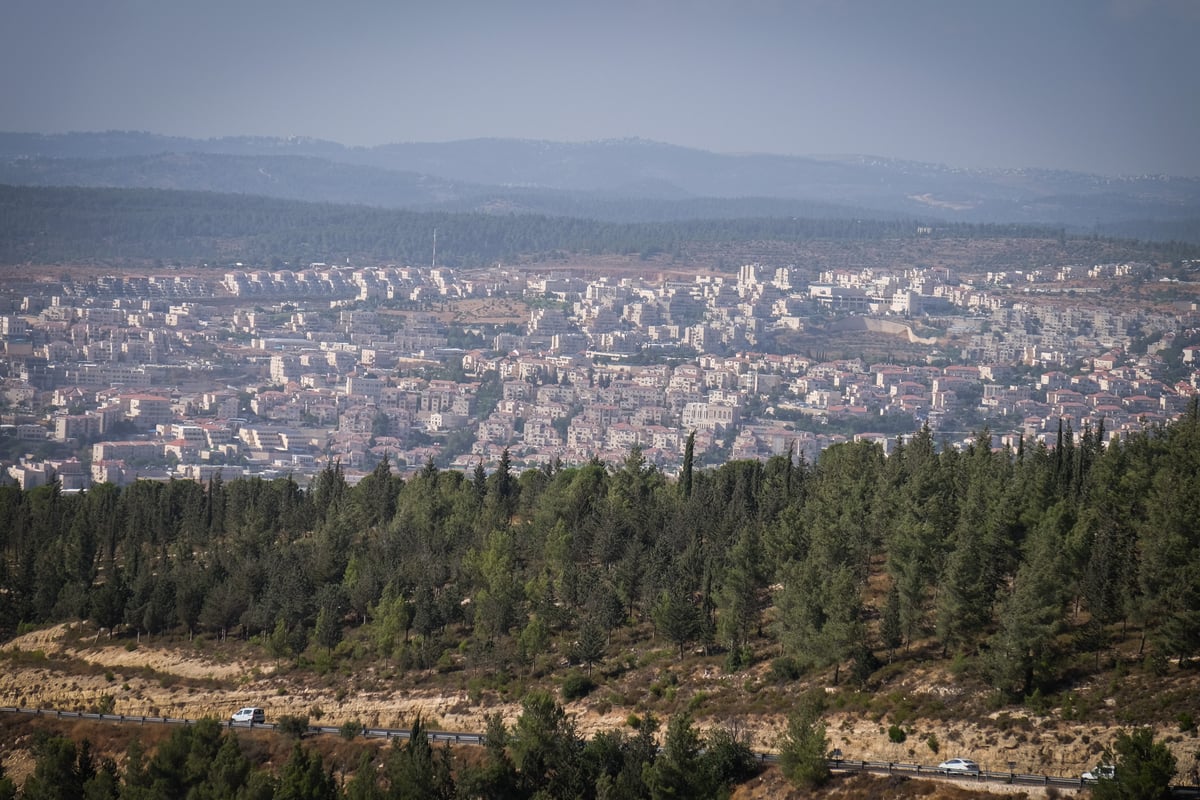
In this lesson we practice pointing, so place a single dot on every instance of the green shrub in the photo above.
(933, 743)
(959, 665)
(292, 725)
(728, 757)
(475, 687)
(1070, 706)
(903, 707)
(897, 734)
(1156, 663)
(576, 685)
(322, 662)
(104, 705)
(350, 729)
(738, 658)
(1036, 702)
(786, 669)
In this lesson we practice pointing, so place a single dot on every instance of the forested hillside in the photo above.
(51, 225)
(1024, 570)
(632, 180)
(1030, 565)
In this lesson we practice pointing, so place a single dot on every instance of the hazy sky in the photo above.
(1106, 86)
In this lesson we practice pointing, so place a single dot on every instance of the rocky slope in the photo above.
(59, 668)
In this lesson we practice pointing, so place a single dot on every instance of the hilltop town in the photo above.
(192, 374)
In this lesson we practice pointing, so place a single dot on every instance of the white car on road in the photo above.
(963, 765)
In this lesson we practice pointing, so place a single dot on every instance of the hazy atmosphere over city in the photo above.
(599, 399)
(1096, 86)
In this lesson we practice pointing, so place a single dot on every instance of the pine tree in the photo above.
(546, 748)
(969, 581)
(304, 777)
(891, 626)
(56, 772)
(820, 621)
(738, 604)
(1144, 769)
(365, 783)
(228, 774)
(328, 630)
(8, 788)
(415, 771)
(1169, 540)
(676, 618)
(1021, 654)
(803, 745)
(685, 475)
(590, 646)
(677, 771)
(374, 497)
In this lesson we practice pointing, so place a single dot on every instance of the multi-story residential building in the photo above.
(146, 411)
(76, 426)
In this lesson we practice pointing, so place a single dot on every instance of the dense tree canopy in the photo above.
(988, 553)
(541, 758)
(52, 224)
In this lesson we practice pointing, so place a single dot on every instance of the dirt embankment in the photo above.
(145, 680)
(56, 668)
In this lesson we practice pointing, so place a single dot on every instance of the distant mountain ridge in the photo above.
(618, 180)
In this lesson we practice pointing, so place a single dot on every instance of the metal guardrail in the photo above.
(453, 737)
(982, 776)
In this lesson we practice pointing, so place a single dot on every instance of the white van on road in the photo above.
(1103, 772)
(254, 716)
